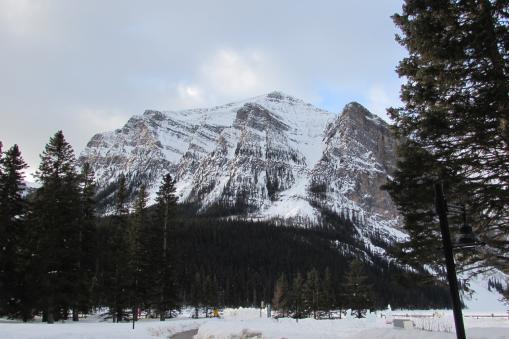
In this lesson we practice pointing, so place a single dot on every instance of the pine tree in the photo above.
(196, 294)
(56, 216)
(311, 293)
(297, 299)
(13, 209)
(165, 281)
(87, 236)
(457, 104)
(356, 290)
(135, 250)
(117, 272)
(327, 301)
(209, 294)
(412, 190)
(280, 298)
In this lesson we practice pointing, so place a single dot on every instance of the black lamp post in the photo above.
(467, 240)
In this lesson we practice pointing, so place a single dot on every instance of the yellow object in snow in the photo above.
(216, 313)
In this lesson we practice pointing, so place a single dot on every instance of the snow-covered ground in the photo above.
(246, 323)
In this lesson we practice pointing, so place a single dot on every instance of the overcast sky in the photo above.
(87, 66)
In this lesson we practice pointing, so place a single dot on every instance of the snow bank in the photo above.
(483, 299)
(246, 323)
(150, 329)
(287, 328)
(474, 333)
(434, 324)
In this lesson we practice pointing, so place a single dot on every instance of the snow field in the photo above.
(246, 323)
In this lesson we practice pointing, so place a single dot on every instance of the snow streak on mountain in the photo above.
(272, 156)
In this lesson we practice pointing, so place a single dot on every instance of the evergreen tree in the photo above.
(87, 236)
(135, 250)
(196, 294)
(280, 298)
(356, 290)
(13, 211)
(56, 217)
(297, 299)
(164, 255)
(327, 295)
(116, 281)
(457, 105)
(413, 191)
(311, 293)
(209, 294)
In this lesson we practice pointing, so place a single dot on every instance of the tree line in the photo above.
(318, 296)
(56, 260)
(59, 259)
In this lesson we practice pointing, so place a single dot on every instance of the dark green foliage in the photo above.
(412, 191)
(237, 251)
(13, 210)
(88, 249)
(56, 229)
(196, 294)
(456, 108)
(210, 294)
(327, 299)
(297, 297)
(357, 290)
(165, 248)
(281, 296)
(135, 252)
(116, 278)
(312, 293)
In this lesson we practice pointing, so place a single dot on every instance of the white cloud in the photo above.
(23, 17)
(227, 74)
(189, 96)
(229, 71)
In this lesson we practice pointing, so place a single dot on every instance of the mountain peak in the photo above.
(280, 96)
(356, 111)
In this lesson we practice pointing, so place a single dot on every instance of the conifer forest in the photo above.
(60, 259)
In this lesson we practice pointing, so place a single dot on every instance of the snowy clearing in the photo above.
(246, 323)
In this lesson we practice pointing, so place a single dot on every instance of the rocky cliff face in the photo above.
(272, 156)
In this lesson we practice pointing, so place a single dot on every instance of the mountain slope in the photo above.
(272, 156)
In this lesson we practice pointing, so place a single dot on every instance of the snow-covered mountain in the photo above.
(268, 157)
(272, 156)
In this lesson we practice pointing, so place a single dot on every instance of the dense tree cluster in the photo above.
(59, 259)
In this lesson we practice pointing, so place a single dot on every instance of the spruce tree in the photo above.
(135, 250)
(357, 290)
(196, 296)
(456, 105)
(13, 210)
(117, 272)
(297, 298)
(311, 293)
(327, 300)
(165, 247)
(87, 236)
(280, 298)
(209, 294)
(56, 214)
